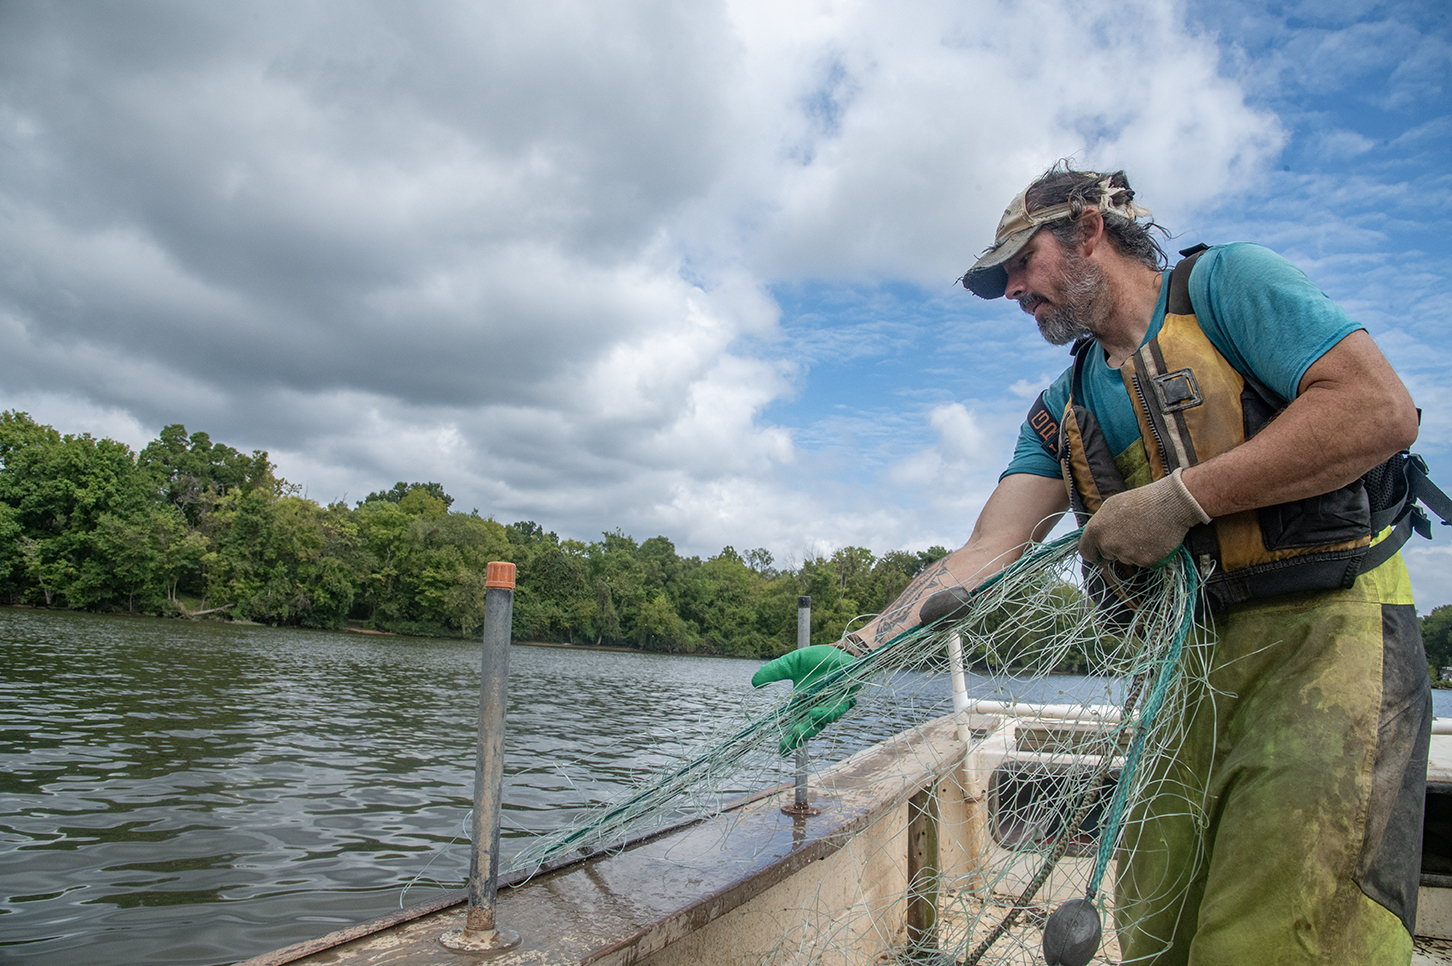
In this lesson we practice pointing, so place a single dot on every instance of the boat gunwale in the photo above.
(841, 779)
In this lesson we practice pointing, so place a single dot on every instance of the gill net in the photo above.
(1033, 784)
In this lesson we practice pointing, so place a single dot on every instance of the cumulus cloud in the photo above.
(529, 249)
(958, 471)
(912, 124)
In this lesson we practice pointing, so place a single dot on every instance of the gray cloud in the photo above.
(525, 248)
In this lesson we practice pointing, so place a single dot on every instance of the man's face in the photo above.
(1064, 292)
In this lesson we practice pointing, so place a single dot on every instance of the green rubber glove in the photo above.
(804, 668)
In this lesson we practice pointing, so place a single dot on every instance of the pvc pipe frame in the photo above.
(960, 688)
(1066, 712)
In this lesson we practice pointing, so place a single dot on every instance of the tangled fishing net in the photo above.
(1039, 807)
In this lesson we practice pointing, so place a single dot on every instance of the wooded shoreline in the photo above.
(187, 527)
(191, 528)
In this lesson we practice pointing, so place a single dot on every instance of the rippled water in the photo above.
(193, 793)
(184, 794)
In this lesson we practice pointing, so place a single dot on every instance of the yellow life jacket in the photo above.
(1191, 405)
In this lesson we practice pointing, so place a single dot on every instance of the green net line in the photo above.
(1020, 625)
(1164, 666)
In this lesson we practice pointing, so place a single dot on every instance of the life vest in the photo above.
(1192, 404)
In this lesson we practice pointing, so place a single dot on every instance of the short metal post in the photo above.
(480, 933)
(799, 804)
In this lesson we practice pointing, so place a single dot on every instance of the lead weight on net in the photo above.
(1072, 934)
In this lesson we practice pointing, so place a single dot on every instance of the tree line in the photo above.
(189, 527)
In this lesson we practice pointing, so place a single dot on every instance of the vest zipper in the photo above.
(1149, 418)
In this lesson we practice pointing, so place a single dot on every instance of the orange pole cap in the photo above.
(499, 574)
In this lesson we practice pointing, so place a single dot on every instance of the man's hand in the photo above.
(1023, 508)
(1142, 526)
(806, 667)
(948, 604)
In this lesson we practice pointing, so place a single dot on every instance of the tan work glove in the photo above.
(1141, 526)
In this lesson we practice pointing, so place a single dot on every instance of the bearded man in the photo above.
(1231, 406)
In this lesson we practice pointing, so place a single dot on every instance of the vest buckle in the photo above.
(1176, 390)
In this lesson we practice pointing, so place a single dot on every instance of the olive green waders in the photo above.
(1288, 828)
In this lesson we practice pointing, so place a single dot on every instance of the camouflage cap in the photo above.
(988, 279)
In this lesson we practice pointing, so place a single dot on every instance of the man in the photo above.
(1233, 407)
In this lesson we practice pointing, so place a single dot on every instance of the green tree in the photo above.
(12, 557)
(720, 602)
(620, 582)
(402, 489)
(281, 560)
(60, 490)
(760, 560)
(660, 628)
(465, 602)
(87, 523)
(553, 584)
(422, 567)
(187, 468)
(1437, 638)
(132, 556)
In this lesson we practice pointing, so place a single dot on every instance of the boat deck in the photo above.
(685, 895)
(621, 907)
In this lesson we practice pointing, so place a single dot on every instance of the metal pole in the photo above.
(480, 933)
(799, 804)
(804, 639)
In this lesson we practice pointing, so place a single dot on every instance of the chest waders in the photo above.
(1286, 827)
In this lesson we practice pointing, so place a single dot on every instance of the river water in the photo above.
(195, 793)
(180, 794)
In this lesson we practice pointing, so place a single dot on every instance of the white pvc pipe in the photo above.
(1072, 712)
(960, 687)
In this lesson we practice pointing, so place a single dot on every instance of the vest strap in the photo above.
(1408, 517)
(1394, 541)
(1428, 492)
(1177, 302)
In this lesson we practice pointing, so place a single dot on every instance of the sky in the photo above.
(680, 269)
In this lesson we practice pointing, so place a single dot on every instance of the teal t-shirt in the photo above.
(1261, 313)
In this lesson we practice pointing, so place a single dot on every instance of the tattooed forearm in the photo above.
(902, 613)
(967, 567)
(1022, 508)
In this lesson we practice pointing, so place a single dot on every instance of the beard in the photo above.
(1083, 302)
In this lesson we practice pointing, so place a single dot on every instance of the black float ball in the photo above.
(1071, 936)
